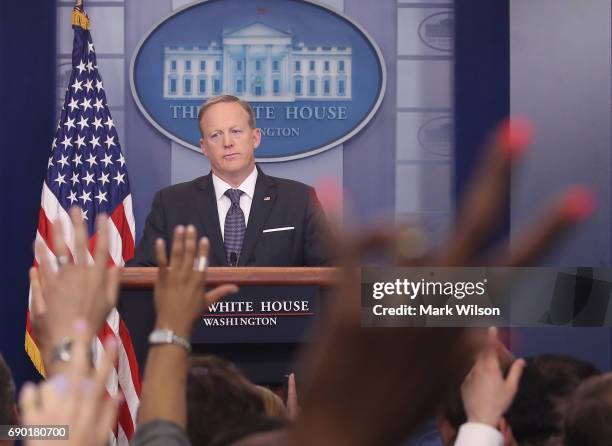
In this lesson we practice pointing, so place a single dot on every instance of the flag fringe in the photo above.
(79, 18)
(34, 354)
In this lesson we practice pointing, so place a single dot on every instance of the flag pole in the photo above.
(79, 18)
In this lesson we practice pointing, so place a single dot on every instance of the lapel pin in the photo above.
(267, 198)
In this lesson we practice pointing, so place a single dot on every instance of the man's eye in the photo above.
(214, 135)
(237, 131)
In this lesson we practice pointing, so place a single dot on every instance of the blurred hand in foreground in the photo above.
(72, 285)
(76, 398)
(367, 386)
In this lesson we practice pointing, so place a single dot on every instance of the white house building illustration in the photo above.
(258, 63)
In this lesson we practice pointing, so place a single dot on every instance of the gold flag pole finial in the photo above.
(79, 18)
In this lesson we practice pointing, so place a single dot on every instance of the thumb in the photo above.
(514, 375)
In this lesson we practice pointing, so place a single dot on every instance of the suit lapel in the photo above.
(207, 208)
(263, 202)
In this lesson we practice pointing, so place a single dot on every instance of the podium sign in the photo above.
(260, 314)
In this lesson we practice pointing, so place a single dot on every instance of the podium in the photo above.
(260, 328)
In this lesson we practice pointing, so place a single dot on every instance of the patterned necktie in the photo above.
(234, 228)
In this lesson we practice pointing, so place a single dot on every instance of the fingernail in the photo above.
(59, 383)
(191, 228)
(514, 135)
(579, 202)
(80, 325)
(180, 229)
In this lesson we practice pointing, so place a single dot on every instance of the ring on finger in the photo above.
(62, 260)
(200, 264)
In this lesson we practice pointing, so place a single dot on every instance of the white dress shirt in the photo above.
(224, 203)
(478, 434)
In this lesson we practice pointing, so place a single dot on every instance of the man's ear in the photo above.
(256, 138)
(203, 147)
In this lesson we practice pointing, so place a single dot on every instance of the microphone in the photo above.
(233, 258)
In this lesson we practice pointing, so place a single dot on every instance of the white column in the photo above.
(268, 71)
(247, 83)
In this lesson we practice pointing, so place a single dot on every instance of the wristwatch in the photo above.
(163, 336)
(62, 351)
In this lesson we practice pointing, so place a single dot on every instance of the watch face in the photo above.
(63, 351)
(161, 336)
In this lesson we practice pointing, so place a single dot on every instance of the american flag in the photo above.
(87, 168)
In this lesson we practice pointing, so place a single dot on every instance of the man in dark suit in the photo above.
(250, 219)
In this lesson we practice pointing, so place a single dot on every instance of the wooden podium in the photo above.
(273, 314)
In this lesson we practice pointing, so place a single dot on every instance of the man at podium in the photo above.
(250, 218)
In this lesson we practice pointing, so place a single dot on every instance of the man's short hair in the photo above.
(546, 383)
(226, 98)
(7, 394)
(588, 413)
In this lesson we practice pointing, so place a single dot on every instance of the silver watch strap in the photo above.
(163, 336)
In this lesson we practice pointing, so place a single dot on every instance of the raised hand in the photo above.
(373, 385)
(73, 286)
(486, 394)
(179, 301)
(179, 289)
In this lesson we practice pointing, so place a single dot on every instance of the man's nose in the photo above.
(227, 140)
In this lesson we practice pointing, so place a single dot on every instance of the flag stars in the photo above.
(72, 197)
(63, 161)
(97, 123)
(92, 160)
(109, 123)
(54, 143)
(75, 178)
(88, 178)
(60, 179)
(101, 197)
(90, 66)
(73, 105)
(107, 160)
(121, 159)
(99, 85)
(77, 160)
(119, 178)
(80, 141)
(84, 214)
(69, 124)
(50, 162)
(81, 67)
(104, 178)
(89, 85)
(85, 197)
(98, 104)
(83, 122)
(77, 85)
(90, 47)
(110, 141)
(95, 142)
(66, 142)
(86, 104)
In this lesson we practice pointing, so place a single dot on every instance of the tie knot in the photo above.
(234, 196)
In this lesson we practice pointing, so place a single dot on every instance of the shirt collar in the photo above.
(247, 186)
